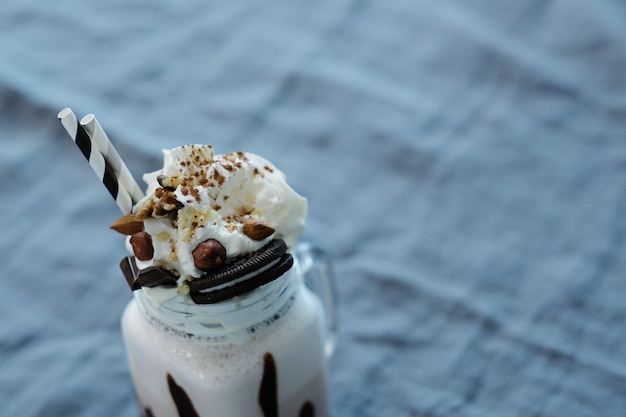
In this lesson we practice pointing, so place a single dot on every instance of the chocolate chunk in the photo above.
(209, 255)
(276, 271)
(147, 277)
(130, 271)
(153, 277)
(262, 257)
(142, 246)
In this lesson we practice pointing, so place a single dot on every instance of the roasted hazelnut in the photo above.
(142, 246)
(209, 255)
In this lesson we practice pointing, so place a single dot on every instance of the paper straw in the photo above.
(106, 148)
(96, 160)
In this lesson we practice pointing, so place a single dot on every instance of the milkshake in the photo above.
(221, 322)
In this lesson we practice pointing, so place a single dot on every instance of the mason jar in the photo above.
(262, 354)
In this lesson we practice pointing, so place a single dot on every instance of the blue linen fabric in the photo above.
(465, 165)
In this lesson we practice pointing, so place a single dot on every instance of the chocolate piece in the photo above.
(128, 225)
(268, 391)
(262, 257)
(147, 277)
(153, 277)
(184, 406)
(130, 271)
(209, 255)
(284, 264)
(142, 246)
(257, 231)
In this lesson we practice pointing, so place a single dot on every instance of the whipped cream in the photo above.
(198, 196)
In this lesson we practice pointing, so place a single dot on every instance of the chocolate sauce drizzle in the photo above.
(181, 399)
(268, 395)
(268, 392)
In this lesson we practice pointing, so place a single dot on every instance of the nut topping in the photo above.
(128, 225)
(142, 246)
(209, 255)
(161, 205)
(169, 183)
(257, 231)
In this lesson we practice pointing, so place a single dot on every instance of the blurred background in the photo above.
(464, 161)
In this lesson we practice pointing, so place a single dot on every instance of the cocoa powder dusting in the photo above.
(218, 177)
(195, 194)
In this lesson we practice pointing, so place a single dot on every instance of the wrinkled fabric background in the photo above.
(465, 165)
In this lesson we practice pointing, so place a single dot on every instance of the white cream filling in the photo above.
(241, 279)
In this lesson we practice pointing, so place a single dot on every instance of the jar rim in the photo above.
(240, 314)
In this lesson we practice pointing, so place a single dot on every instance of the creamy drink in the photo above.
(271, 368)
(221, 322)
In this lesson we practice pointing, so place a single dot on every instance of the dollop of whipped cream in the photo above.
(198, 196)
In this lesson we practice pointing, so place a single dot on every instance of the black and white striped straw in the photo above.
(99, 165)
(106, 148)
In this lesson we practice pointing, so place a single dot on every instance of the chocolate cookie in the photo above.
(246, 265)
(283, 265)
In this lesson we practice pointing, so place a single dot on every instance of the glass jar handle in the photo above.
(318, 275)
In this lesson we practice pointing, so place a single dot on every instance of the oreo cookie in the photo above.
(283, 265)
(272, 260)
(243, 266)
